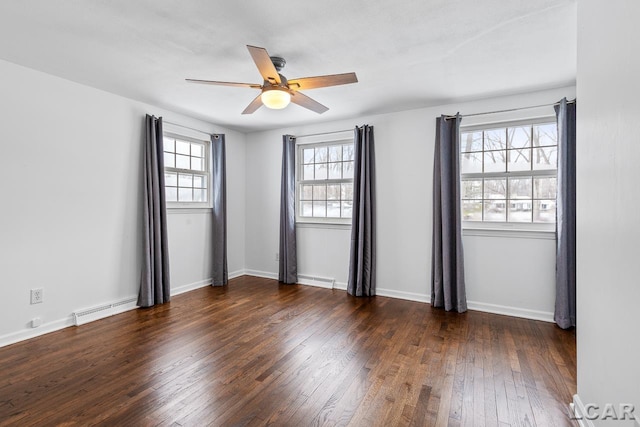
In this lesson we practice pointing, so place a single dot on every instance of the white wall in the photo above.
(404, 160)
(70, 182)
(608, 203)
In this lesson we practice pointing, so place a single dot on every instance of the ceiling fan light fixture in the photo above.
(275, 98)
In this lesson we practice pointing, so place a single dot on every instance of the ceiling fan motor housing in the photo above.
(278, 62)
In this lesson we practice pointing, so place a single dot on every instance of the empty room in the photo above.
(416, 213)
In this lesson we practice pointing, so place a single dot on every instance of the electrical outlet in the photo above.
(37, 296)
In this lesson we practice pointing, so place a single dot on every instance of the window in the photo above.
(186, 171)
(508, 174)
(325, 181)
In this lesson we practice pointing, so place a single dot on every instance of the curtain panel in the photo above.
(154, 283)
(447, 258)
(288, 261)
(362, 261)
(220, 274)
(565, 307)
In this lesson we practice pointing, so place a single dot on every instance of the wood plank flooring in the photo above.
(259, 353)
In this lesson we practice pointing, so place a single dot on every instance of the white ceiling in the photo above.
(406, 53)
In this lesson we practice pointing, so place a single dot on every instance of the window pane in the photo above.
(544, 188)
(495, 210)
(182, 147)
(519, 137)
(335, 170)
(185, 195)
(322, 154)
(307, 155)
(346, 192)
(168, 145)
(545, 158)
(196, 163)
(471, 141)
(520, 188)
(495, 161)
(197, 150)
(321, 171)
(347, 170)
(495, 139)
(544, 211)
(333, 209)
(347, 209)
(472, 189)
(169, 160)
(520, 211)
(171, 179)
(545, 135)
(335, 153)
(319, 192)
(308, 172)
(320, 209)
(185, 180)
(199, 181)
(472, 210)
(333, 192)
(306, 208)
(199, 195)
(471, 162)
(347, 152)
(171, 194)
(519, 160)
(495, 188)
(182, 162)
(307, 192)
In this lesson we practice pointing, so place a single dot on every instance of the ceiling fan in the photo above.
(276, 90)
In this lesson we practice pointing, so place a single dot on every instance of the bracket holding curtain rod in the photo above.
(449, 117)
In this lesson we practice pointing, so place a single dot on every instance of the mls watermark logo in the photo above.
(607, 411)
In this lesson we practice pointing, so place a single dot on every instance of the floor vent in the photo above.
(100, 312)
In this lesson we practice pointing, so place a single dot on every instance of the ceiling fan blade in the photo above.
(254, 105)
(264, 64)
(323, 81)
(211, 82)
(306, 102)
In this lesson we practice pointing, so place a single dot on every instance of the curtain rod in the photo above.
(323, 133)
(447, 117)
(186, 127)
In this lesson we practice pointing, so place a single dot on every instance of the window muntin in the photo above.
(186, 167)
(508, 174)
(325, 181)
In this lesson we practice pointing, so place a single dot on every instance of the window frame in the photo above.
(206, 172)
(319, 140)
(549, 173)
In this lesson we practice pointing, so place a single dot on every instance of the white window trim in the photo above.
(509, 229)
(192, 207)
(319, 140)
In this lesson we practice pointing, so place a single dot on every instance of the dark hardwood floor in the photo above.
(260, 353)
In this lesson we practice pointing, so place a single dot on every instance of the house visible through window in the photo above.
(186, 166)
(324, 176)
(508, 174)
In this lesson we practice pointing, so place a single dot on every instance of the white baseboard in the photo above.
(264, 274)
(235, 274)
(190, 286)
(580, 411)
(29, 333)
(510, 311)
(410, 296)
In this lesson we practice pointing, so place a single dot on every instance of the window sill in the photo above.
(515, 233)
(329, 225)
(183, 210)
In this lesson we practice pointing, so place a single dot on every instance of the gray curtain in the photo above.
(565, 310)
(288, 265)
(219, 205)
(362, 262)
(447, 258)
(154, 283)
